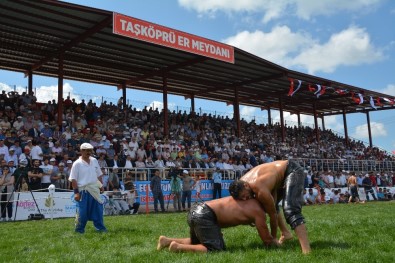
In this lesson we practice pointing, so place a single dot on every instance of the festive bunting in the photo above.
(341, 91)
(358, 97)
(390, 101)
(291, 87)
(356, 100)
(372, 103)
(299, 85)
(378, 102)
(317, 93)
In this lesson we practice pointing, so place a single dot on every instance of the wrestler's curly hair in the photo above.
(235, 188)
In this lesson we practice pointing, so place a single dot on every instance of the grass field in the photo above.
(338, 233)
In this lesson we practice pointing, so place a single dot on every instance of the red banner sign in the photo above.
(153, 33)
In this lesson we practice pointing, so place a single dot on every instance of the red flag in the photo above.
(311, 88)
(341, 91)
(356, 100)
(291, 88)
(323, 89)
(378, 102)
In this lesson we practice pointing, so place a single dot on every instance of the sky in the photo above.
(351, 42)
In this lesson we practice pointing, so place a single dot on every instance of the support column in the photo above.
(124, 106)
(282, 120)
(299, 122)
(30, 84)
(236, 113)
(269, 117)
(345, 126)
(369, 129)
(323, 123)
(165, 110)
(193, 103)
(317, 134)
(60, 90)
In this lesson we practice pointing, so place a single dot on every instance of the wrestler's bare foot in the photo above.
(163, 242)
(284, 237)
(306, 251)
(173, 246)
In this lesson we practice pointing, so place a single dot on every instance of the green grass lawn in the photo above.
(338, 233)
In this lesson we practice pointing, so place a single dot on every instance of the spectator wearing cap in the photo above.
(25, 156)
(47, 130)
(11, 156)
(18, 124)
(54, 163)
(84, 175)
(68, 166)
(100, 150)
(133, 144)
(135, 133)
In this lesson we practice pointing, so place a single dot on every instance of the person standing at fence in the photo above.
(35, 173)
(156, 189)
(6, 190)
(217, 177)
(85, 177)
(175, 185)
(187, 185)
(367, 185)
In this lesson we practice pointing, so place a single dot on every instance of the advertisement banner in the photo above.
(206, 193)
(63, 205)
(160, 35)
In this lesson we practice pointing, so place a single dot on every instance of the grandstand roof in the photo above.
(34, 33)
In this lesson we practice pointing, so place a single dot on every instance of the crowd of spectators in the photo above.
(135, 139)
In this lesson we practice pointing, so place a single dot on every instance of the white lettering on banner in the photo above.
(157, 34)
(207, 186)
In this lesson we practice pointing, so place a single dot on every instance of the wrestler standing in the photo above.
(270, 183)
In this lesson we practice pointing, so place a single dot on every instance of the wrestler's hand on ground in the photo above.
(77, 197)
(284, 238)
(275, 243)
(272, 243)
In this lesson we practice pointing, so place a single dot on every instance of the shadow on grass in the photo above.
(292, 244)
(325, 244)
